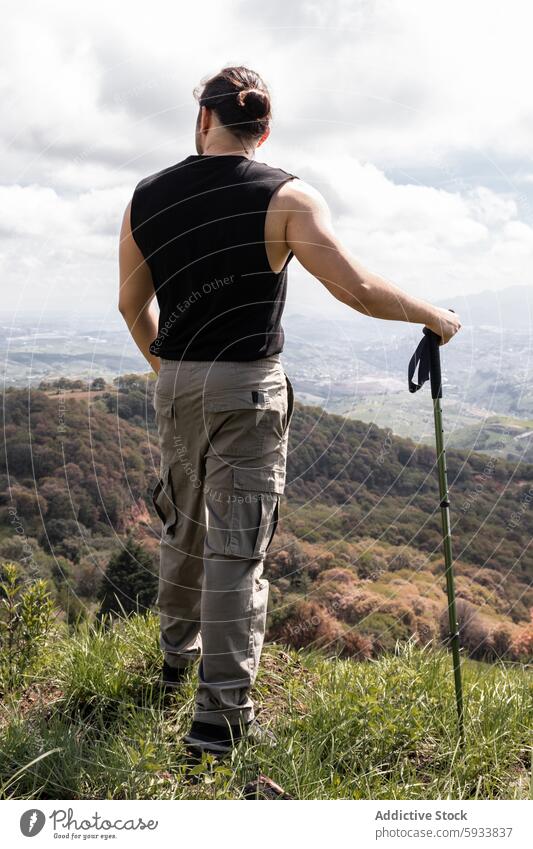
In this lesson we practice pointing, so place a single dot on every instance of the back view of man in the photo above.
(211, 237)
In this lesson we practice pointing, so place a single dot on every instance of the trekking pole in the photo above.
(427, 357)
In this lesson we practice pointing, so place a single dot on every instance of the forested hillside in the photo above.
(356, 563)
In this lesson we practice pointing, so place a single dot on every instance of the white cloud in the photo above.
(433, 242)
(97, 96)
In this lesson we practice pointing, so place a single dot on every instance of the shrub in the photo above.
(370, 566)
(407, 559)
(475, 635)
(309, 624)
(26, 614)
(286, 560)
(306, 623)
(356, 645)
(523, 643)
(501, 640)
(359, 605)
(386, 629)
(338, 574)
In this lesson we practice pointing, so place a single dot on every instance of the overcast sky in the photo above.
(414, 119)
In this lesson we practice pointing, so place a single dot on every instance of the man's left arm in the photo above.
(136, 292)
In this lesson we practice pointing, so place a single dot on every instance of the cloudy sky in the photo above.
(414, 119)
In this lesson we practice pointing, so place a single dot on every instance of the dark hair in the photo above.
(240, 99)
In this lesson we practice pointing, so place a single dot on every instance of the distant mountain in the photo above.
(505, 309)
(355, 366)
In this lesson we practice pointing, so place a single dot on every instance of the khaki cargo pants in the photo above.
(223, 431)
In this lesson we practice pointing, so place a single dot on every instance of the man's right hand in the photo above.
(445, 324)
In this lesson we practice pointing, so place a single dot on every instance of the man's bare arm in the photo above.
(310, 236)
(136, 292)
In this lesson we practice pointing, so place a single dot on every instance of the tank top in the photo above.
(200, 225)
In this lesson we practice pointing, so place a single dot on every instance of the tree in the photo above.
(130, 583)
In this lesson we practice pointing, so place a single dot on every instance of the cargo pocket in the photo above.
(254, 513)
(238, 420)
(164, 501)
(165, 421)
(162, 405)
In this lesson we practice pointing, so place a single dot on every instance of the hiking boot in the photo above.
(171, 678)
(219, 740)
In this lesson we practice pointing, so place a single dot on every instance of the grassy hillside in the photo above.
(88, 723)
(468, 427)
(500, 435)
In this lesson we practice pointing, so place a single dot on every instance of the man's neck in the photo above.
(221, 151)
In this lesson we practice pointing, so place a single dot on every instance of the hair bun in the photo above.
(255, 102)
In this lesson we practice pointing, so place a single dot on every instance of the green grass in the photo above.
(92, 725)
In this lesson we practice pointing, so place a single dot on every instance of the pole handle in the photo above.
(435, 374)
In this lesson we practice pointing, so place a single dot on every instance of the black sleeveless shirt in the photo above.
(200, 225)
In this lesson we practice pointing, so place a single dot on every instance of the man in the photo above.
(211, 237)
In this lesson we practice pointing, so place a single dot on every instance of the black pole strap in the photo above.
(427, 359)
(420, 358)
